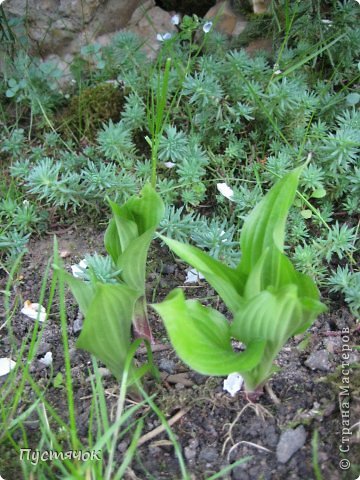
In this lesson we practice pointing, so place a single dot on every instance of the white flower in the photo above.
(161, 37)
(175, 19)
(78, 269)
(169, 164)
(193, 276)
(277, 72)
(207, 27)
(233, 383)
(225, 190)
(6, 365)
(46, 359)
(34, 311)
(327, 22)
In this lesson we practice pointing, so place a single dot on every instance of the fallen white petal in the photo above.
(233, 383)
(193, 276)
(6, 365)
(225, 190)
(46, 359)
(207, 27)
(78, 269)
(175, 19)
(34, 310)
(169, 164)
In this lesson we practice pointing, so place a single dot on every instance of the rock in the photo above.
(190, 450)
(319, 360)
(290, 442)
(63, 26)
(168, 269)
(208, 455)
(77, 325)
(167, 365)
(225, 19)
(147, 21)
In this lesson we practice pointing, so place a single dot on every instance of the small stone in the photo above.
(168, 366)
(190, 450)
(122, 446)
(168, 269)
(208, 455)
(290, 442)
(319, 361)
(77, 325)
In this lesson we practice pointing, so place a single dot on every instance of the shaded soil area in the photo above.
(212, 428)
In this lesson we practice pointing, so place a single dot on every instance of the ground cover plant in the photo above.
(216, 132)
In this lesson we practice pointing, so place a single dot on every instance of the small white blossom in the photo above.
(225, 190)
(233, 383)
(6, 365)
(46, 359)
(277, 72)
(193, 276)
(161, 37)
(34, 311)
(175, 19)
(327, 22)
(78, 269)
(207, 27)
(169, 164)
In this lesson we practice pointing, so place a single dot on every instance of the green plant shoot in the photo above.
(269, 300)
(111, 309)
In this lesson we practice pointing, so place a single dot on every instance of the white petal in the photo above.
(6, 365)
(78, 269)
(225, 190)
(32, 310)
(46, 359)
(233, 383)
(169, 164)
(207, 27)
(193, 276)
(277, 72)
(175, 19)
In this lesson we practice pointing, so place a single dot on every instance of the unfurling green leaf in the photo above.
(111, 308)
(107, 327)
(269, 299)
(206, 347)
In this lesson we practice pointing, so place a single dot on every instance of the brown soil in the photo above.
(215, 429)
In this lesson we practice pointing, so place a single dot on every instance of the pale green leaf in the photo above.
(265, 226)
(306, 213)
(319, 193)
(201, 337)
(106, 331)
(83, 291)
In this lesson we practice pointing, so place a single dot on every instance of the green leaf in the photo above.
(83, 291)
(58, 381)
(306, 213)
(228, 282)
(112, 241)
(353, 98)
(132, 262)
(319, 193)
(201, 337)
(106, 331)
(265, 226)
(130, 232)
(273, 269)
(270, 316)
